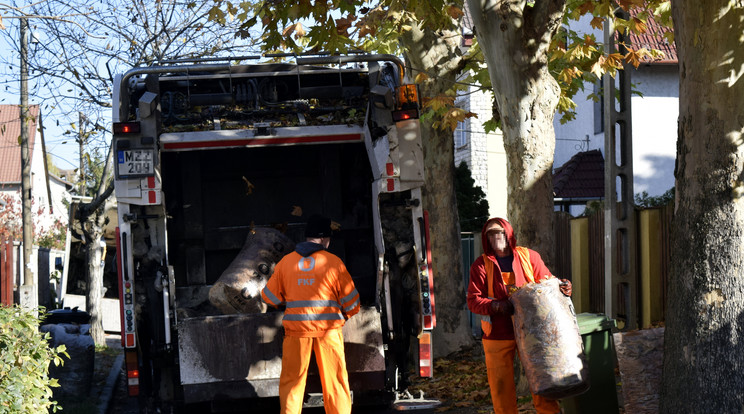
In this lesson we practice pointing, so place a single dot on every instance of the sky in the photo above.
(64, 149)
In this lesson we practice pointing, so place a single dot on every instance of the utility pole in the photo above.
(621, 240)
(81, 141)
(27, 292)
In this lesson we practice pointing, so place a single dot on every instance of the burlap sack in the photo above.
(238, 289)
(548, 341)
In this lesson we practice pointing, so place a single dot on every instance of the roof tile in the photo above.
(10, 148)
(581, 177)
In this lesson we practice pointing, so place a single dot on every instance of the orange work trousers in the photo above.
(329, 353)
(500, 368)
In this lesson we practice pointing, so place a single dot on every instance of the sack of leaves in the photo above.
(548, 341)
(238, 289)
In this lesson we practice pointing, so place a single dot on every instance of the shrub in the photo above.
(25, 356)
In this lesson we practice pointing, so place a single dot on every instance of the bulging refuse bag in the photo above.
(238, 289)
(548, 340)
(75, 376)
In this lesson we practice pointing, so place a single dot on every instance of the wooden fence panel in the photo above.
(6, 272)
(666, 252)
(562, 246)
(596, 263)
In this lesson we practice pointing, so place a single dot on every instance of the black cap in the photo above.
(318, 227)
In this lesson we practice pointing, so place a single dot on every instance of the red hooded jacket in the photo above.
(478, 300)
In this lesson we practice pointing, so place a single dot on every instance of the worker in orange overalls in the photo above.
(320, 296)
(502, 269)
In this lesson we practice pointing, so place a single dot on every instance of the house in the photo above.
(49, 198)
(50, 194)
(654, 107)
(654, 112)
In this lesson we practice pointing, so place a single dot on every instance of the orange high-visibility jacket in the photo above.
(317, 290)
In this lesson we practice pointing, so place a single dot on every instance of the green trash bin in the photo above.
(599, 349)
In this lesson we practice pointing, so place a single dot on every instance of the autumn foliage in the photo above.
(52, 236)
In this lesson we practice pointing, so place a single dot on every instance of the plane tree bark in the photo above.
(705, 310)
(515, 37)
(436, 53)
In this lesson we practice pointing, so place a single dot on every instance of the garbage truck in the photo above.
(209, 152)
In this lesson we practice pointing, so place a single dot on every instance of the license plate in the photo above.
(135, 162)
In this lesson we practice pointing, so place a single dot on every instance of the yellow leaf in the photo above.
(249, 186)
(589, 40)
(613, 60)
(455, 12)
(633, 58)
(421, 77)
(597, 22)
(638, 26)
(597, 68)
(343, 24)
(439, 102)
(366, 30)
(586, 7)
(297, 29)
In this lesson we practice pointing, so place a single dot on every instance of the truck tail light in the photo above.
(132, 366)
(126, 128)
(426, 368)
(407, 103)
(406, 114)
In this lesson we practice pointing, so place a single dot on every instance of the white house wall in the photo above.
(654, 117)
(655, 128)
(484, 153)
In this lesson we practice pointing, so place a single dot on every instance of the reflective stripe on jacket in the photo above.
(317, 290)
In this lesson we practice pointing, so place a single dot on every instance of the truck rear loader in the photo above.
(210, 155)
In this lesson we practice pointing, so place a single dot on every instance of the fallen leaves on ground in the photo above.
(460, 382)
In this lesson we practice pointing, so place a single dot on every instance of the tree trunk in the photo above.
(702, 343)
(515, 38)
(94, 297)
(92, 217)
(437, 55)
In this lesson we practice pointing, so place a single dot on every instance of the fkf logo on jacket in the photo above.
(306, 264)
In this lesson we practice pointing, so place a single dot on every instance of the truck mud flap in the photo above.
(240, 356)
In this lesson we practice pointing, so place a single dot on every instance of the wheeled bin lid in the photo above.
(66, 315)
(594, 322)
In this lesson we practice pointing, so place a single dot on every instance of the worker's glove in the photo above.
(565, 287)
(502, 307)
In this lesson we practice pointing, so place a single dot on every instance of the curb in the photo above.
(108, 389)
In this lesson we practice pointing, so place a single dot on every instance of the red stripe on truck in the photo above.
(316, 139)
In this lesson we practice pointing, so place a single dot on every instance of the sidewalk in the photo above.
(109, 387)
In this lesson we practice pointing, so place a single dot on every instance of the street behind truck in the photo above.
(208, 156)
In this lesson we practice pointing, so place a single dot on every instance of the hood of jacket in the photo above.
(307, 248)
(511, 240)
